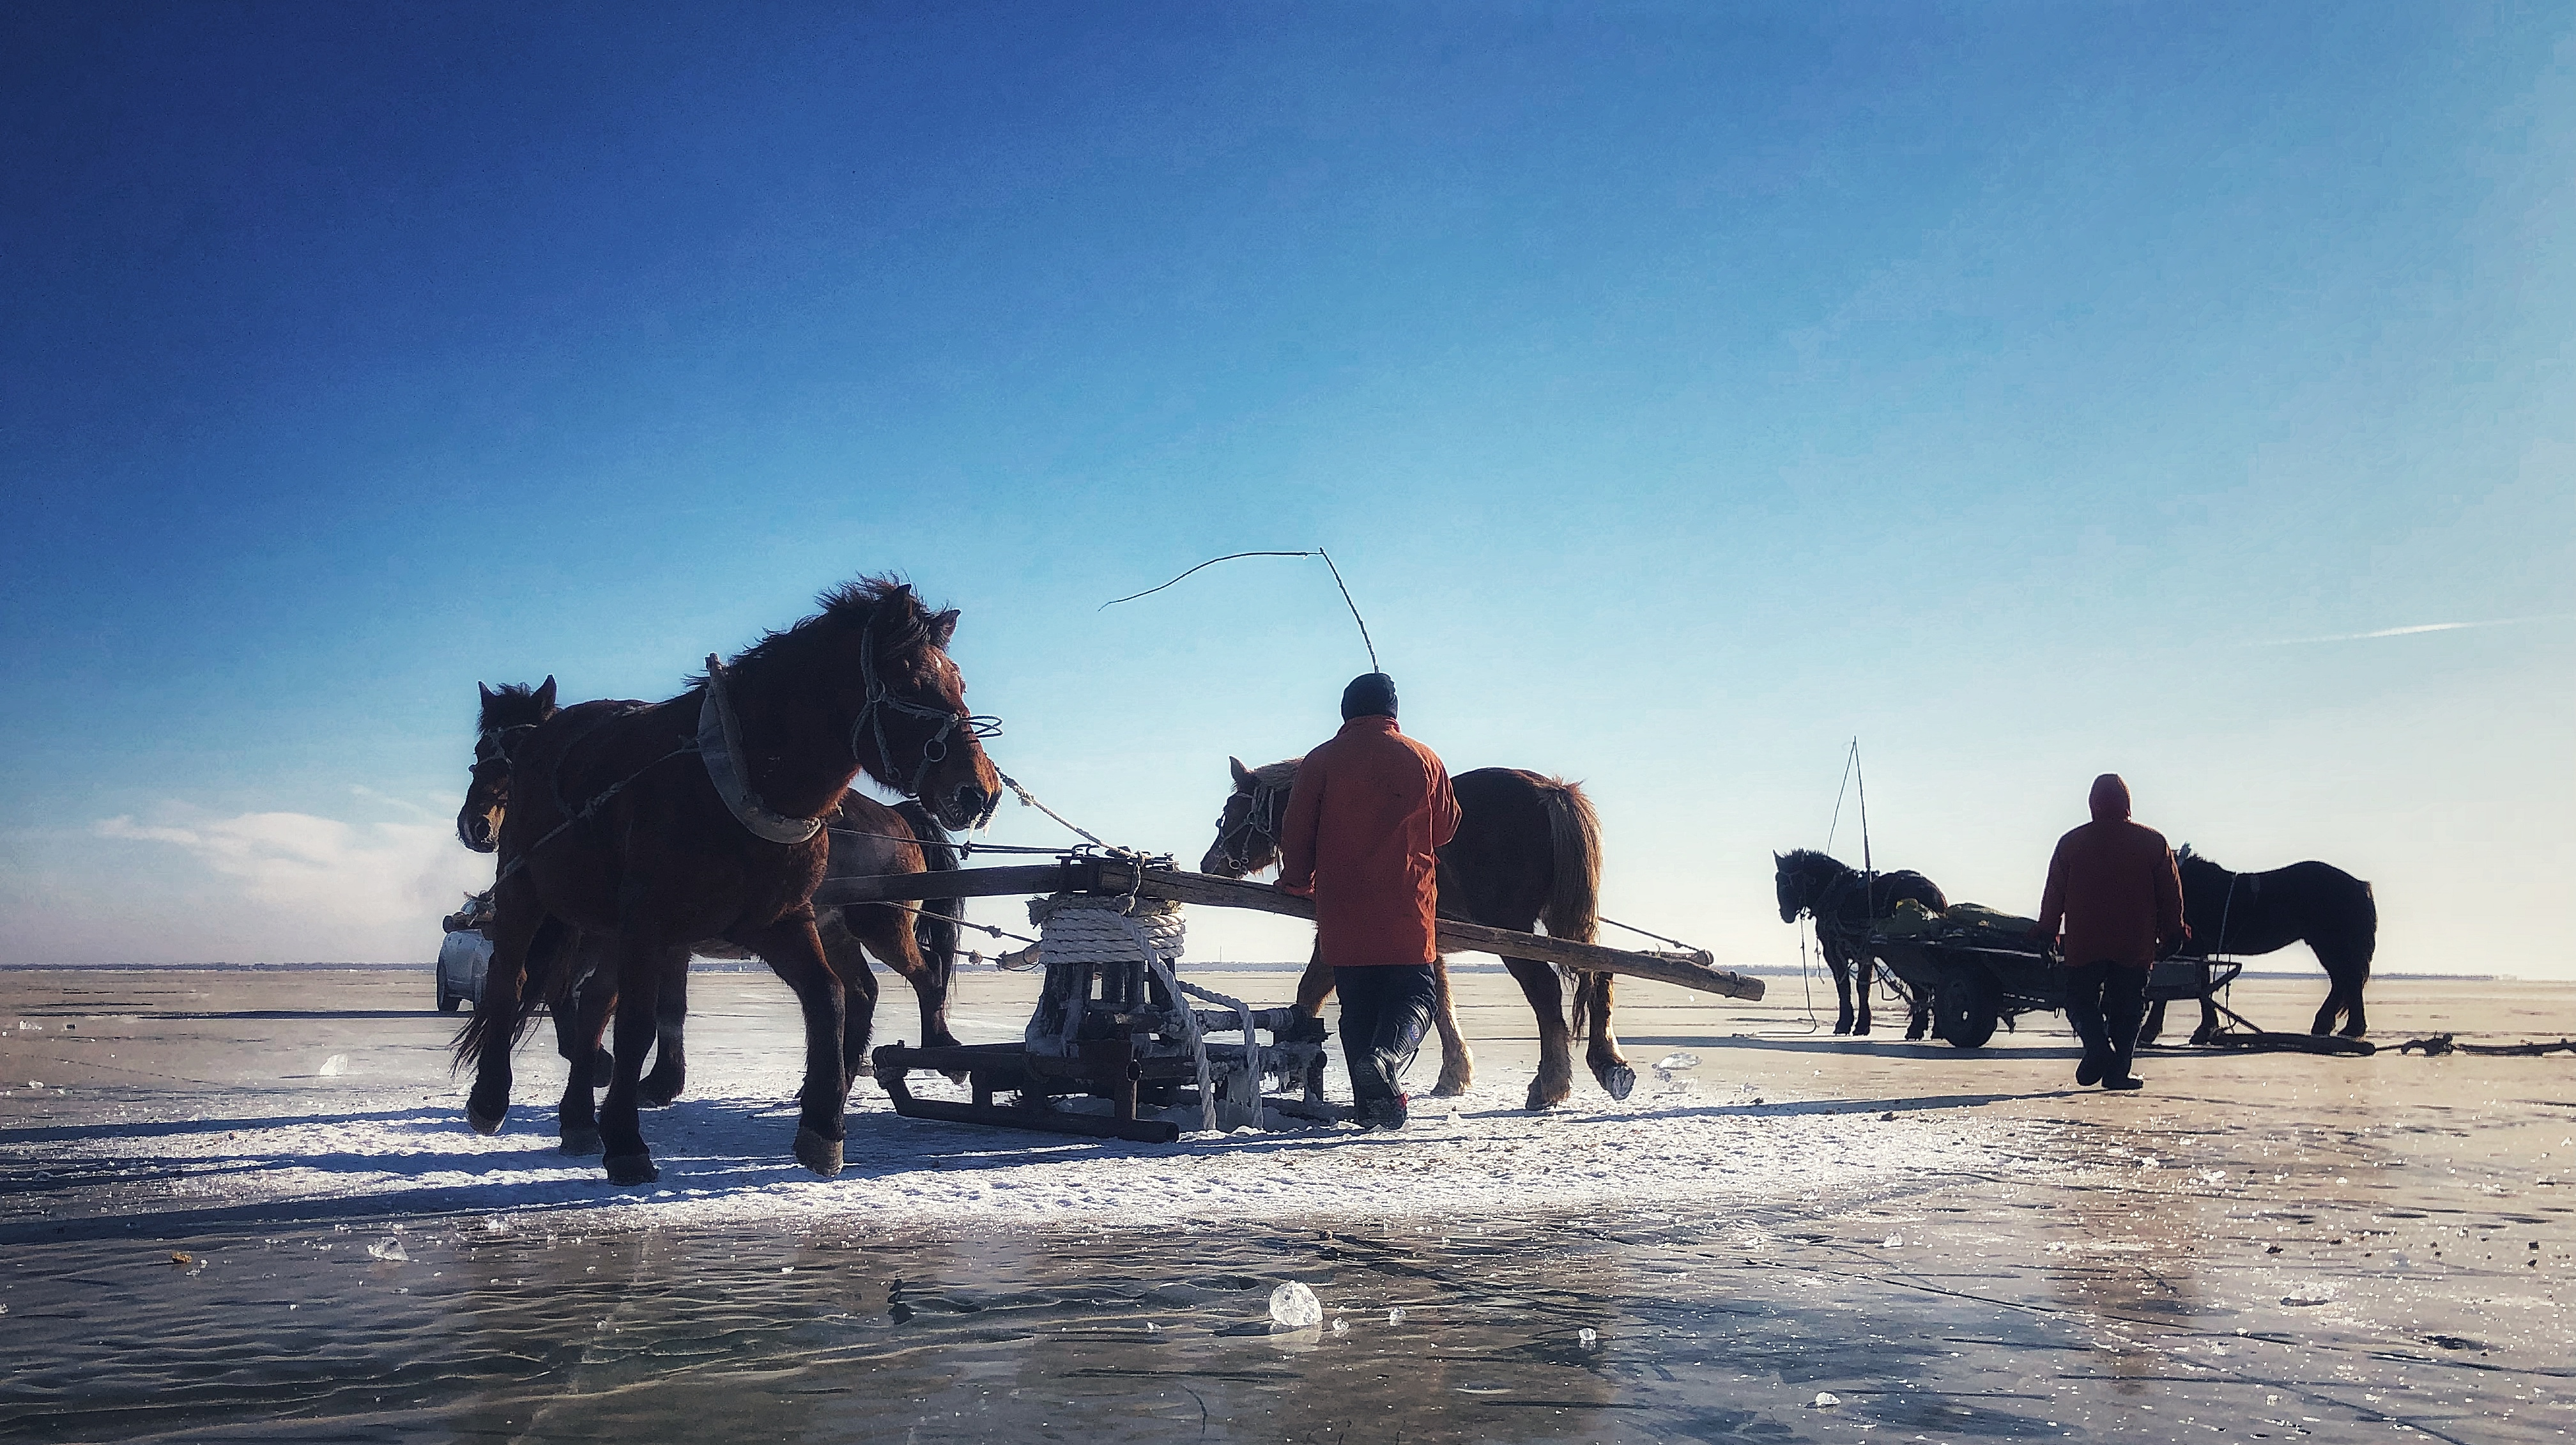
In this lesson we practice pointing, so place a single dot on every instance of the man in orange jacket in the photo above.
(1369, 809)
(2112, 883)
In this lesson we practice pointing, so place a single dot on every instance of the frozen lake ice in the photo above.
(211, 1234)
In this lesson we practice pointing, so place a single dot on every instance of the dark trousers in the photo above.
(1384, 1011)
(2106, 1002)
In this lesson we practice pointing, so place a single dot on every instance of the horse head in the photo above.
(1247, 829)
(906, 701)
(1796, 877)
(1786, 882)
(505, 717)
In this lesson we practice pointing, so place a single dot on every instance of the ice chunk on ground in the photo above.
(1294, 1307)
(1678, 1059)
(1826, 1399)
(391, 1249)
(334, 1066)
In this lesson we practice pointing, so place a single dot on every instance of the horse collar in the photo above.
(720, 748)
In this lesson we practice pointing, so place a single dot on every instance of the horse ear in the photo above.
(1779, 858)
(485, 691)
(942, 628)
(1242, 775)
(546, 694)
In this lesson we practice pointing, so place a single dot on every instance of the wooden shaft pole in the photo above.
(1113, 875)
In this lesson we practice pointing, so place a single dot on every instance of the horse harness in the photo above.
(1256, 821)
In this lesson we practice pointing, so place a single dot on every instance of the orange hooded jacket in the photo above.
(1367, 812)
(2112, 883)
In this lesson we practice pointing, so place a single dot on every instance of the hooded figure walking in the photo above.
(2113, 886)
(1369, 810)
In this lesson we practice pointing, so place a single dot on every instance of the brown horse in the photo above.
(1528, 849)
(655, 825)
(868, 838)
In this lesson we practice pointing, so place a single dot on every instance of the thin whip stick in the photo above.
(1365, 640)
(1355, 609)
(1212, 561)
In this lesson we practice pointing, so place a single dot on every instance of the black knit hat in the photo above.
(1371, 694)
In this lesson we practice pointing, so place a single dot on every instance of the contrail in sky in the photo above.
(2413, 630)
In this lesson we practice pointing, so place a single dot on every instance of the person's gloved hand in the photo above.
(1301, 890)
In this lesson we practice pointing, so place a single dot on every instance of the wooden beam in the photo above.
(1113, 875)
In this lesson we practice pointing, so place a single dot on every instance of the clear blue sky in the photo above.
(1684, 389)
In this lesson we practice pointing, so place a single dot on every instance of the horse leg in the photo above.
(1555, 1046)
(886, 935)
(2208, 1022)
(1608, 1065)
(794, 952)
(520, 927)
(1457, 1061)
(641, 969)
(1918, 1013)
(2347, 969)
(579, 1024)
(2154, 1026)
(1842, 987)
(1861, 969)
(670, 1060)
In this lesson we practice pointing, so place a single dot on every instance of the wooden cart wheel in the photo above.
(1963, 1008)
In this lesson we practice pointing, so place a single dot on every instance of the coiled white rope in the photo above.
(1081, 933)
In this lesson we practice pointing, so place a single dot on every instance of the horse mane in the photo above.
(2184, 855)
(886, 603)
(1279, 774)
(1797, 858)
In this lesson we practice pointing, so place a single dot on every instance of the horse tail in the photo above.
(934, 928)
(1573, 908)
(2367, 926)
(540, 984)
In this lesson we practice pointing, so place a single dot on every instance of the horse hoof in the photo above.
(817, 1153)
(580, 1142)
(632, 1169)
(485, 1123)
(656, 1094)
(1618, 1079)
(1542, 1098)
(1448, 1089)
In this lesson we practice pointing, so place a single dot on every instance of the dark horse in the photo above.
(1831, 891)
(1528, 849)
(505, 717)
(2317, 904)
(868, 838)
(652, 826)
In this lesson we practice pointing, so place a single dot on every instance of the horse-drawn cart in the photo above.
(1116, 1021)
(1976, 978)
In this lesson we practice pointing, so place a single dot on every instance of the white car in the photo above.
(461, 961)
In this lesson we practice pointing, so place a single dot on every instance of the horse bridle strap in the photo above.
(720, 748)
(1256, 820)
(871, 718)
